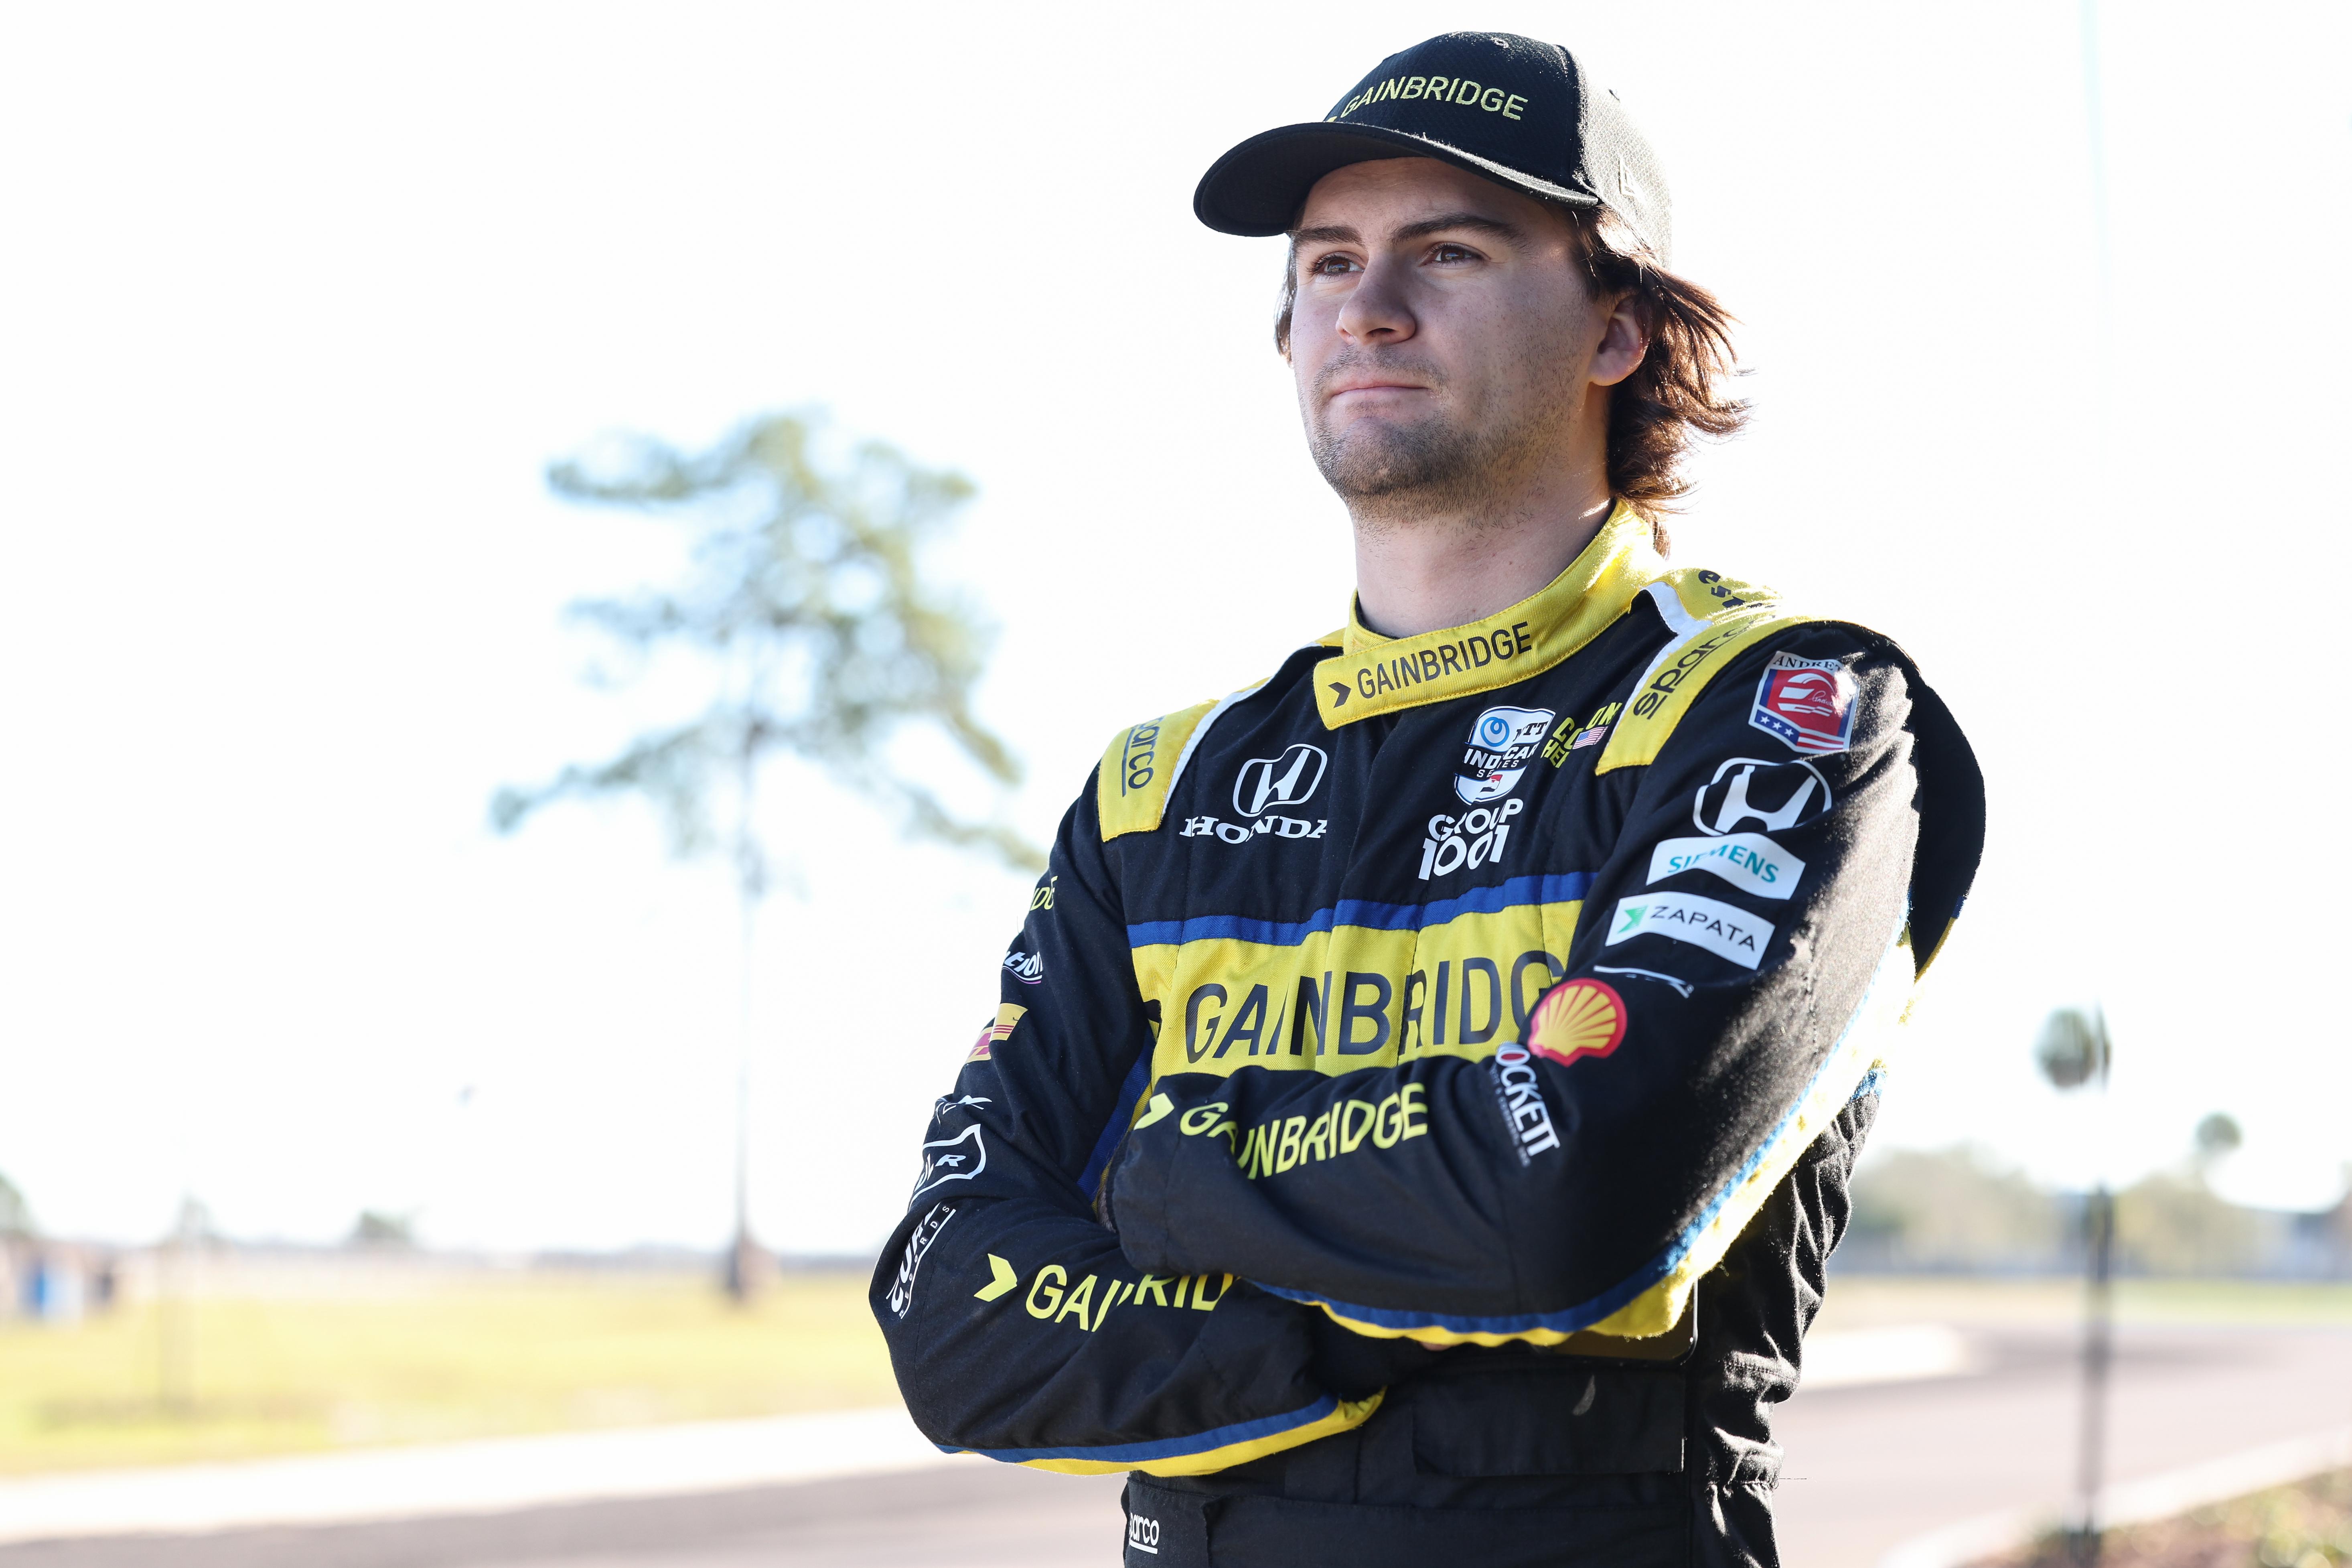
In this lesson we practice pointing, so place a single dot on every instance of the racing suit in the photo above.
(1424, 1088)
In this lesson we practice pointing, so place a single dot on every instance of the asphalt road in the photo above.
(1868, 1467)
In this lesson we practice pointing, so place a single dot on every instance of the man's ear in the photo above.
(1624, 342)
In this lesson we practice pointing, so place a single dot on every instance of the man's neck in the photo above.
(1417, 575)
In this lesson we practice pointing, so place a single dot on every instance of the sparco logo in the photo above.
(1136, 757)
(1775, 795)
(1288, 780)
(1143, 1534)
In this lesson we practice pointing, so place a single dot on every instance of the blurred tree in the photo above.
(1948, 1208)
(822, 641)
(16, 1215)
(374, 1230)
(2173, 1224)
(2218, 1137)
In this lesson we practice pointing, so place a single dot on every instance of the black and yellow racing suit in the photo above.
(1425, 1084)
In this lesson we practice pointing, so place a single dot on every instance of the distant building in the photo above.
(55, 1281)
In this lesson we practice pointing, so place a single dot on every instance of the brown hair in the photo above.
(1678, 393)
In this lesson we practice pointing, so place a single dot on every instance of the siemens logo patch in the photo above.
(1746, 860)
(1725, 931)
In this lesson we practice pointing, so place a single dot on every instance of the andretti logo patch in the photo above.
(1807, 702)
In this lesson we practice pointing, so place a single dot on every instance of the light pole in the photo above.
(2074, 1050)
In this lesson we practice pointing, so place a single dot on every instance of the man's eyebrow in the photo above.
(1474, 222)
(1339, 234)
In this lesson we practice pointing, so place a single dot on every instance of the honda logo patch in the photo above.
(1287, 780)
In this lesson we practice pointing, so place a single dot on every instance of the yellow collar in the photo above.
(1372, 674)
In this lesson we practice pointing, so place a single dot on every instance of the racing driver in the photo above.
(1424, 1088)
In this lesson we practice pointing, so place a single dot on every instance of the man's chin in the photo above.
(1372, 459)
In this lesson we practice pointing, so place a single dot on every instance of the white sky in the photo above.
(295, 304)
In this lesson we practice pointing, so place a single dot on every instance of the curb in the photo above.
(486, 1476)
(2135, 1502)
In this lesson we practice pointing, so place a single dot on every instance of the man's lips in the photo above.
(1344, 389)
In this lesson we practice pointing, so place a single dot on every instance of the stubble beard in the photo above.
(1396, 474)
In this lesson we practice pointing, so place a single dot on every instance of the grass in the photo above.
(460, 1355)
(2303, 1526)
(462, 1359)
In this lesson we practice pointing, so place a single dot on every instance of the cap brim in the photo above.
(1258, 187)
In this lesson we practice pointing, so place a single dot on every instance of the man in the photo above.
(1426, 1083)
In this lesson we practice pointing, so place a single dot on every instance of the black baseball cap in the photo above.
(1518, 111)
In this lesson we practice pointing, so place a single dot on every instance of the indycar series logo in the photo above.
(1775, 795)
(1807, 702)
(1503, 741)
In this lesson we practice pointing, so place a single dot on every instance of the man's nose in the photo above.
(1376, 311)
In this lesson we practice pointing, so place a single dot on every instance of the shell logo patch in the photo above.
(1581, 1018)
(1806, 702)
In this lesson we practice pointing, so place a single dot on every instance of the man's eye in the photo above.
(1453, 253)
(1331, 264)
